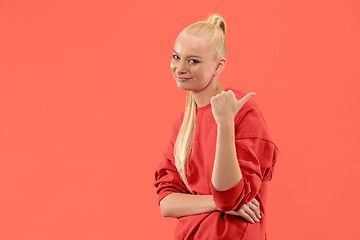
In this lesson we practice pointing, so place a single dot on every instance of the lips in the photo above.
(181, 78)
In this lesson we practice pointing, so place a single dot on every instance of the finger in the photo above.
(244, 99)
(254, 201)
(255, 209)
(233, 213)
(231, 92)
(232, 95)
(251, 213)
(241, 213)
(246, 216)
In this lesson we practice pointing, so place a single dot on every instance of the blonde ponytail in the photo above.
(184, 139)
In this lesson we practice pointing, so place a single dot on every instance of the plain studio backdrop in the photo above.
(87, 101)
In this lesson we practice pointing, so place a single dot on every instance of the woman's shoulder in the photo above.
(250, 121)
(177, 121)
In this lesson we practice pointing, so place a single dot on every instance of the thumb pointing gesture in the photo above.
(243, 100)
(225, 106)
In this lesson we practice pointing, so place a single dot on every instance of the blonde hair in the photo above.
(213, 30)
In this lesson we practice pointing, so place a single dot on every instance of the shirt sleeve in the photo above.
(256, 154)
(167, 178)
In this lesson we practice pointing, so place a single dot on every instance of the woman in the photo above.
(214, 174)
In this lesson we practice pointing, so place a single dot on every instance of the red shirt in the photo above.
(256, 153)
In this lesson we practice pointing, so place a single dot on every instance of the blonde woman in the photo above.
(214, 174)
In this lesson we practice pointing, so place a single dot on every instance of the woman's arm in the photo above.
(226, 172)
(181, 204)
(227, 182)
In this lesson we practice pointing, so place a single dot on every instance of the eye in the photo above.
(194, 61)
(175, 56)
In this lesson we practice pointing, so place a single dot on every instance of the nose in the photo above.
(182, 67)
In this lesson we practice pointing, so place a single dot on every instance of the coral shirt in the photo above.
(256, 154)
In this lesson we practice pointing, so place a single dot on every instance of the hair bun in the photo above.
(218, 21)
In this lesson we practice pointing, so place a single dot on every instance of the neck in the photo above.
(203, 96)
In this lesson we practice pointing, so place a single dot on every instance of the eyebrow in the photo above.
(189, 56)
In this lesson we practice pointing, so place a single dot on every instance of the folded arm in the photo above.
(179, 204)
(176, 201)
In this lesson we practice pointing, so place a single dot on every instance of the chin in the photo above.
(182, 86)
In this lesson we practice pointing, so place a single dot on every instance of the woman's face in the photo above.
(192, 64)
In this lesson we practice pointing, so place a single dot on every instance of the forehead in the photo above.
(189, 45)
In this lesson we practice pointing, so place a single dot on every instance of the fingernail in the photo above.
(253, 94)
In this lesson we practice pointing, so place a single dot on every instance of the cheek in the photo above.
(204, 75)
(201, 72)
(172, 66)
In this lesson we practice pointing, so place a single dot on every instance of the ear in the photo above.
(220, 65)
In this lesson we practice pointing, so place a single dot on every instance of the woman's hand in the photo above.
(225, 106)
(249, 211)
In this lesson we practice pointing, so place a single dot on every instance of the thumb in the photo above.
(244, 99)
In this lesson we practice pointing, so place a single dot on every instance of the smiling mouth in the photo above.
(181, 79)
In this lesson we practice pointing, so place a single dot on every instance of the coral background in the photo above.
(87, 101)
